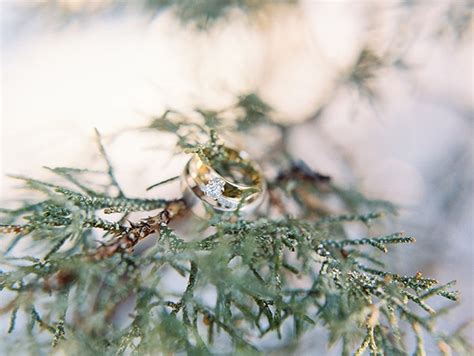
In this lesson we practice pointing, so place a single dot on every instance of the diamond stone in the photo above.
(214, 189)
(226, 203)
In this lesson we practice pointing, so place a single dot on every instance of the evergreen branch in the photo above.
(11, 326)
(110, 169)
(252, 265)
(65, 173)
(162, 182)
(440, 290)
(115, 204)
(365, 218)
(378, 242)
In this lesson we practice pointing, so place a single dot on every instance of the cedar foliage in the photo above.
(75, 279)
(285, 271)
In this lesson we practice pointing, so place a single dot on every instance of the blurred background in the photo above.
(379, 95)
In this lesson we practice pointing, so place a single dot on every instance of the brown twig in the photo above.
(127, 237)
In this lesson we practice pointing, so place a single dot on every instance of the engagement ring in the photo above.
(231, 182)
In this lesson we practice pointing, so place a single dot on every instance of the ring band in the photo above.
(233, 182)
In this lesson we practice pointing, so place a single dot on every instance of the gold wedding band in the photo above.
(232, 182)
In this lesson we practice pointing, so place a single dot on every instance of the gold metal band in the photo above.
(233, 182)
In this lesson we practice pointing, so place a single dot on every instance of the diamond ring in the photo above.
(222, 179)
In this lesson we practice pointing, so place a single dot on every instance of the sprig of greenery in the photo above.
(281, 272)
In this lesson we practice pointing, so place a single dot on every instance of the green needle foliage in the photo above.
(203, 13)
(74, 278)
